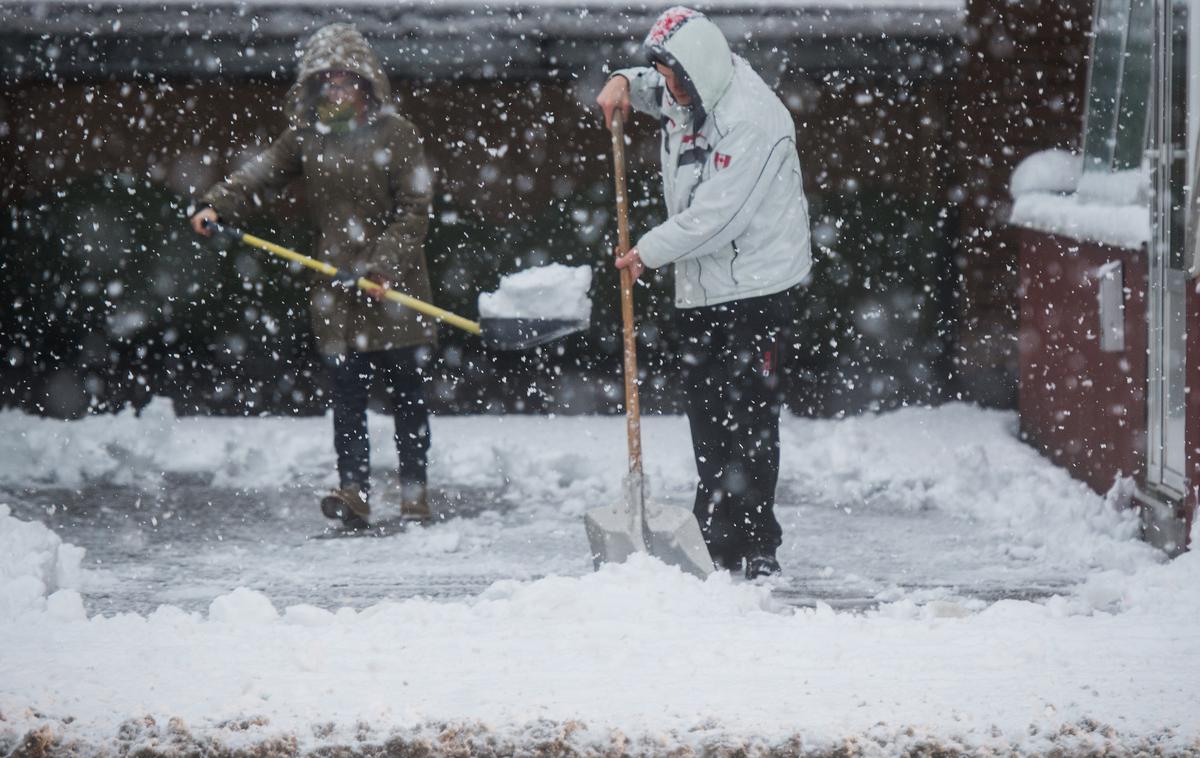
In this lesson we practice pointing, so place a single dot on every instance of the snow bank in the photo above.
(1150, 591)
(965, 460)
(35, 563)
(635, 659)
(126, 448)
(1053, 194)
(552, 292)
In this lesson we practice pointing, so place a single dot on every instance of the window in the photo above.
(1118, 86)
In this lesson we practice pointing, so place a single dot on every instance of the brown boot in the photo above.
(414, 503)
(348, 504)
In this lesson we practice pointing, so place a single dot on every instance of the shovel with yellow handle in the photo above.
(496, 333)
(634, 525)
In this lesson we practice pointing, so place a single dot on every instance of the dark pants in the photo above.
(403, 371)
(732, 378)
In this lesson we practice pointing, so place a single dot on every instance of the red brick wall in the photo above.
(1021, 90)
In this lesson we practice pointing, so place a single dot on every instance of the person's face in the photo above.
(340, 87)
(673, 85)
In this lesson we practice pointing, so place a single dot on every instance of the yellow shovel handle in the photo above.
(366, 284)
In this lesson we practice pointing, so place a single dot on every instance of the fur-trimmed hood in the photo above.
(336, 47)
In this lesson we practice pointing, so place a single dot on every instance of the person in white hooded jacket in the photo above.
(737, 234)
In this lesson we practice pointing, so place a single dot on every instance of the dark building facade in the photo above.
(115, 119)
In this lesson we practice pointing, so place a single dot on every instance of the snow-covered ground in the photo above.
(945, 588)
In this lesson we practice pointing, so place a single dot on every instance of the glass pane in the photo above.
(1111, 25)
(1175, 458)
(1178, 132)
(1132, 116)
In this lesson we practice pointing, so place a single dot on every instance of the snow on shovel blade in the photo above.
(667, 532)
(523, 333)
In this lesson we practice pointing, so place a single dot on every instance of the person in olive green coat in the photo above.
(363, 172)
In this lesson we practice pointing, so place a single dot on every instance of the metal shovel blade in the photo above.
(524, 333)
(667, 532)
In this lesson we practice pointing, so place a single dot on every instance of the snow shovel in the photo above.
(496, 333)
(669, 533)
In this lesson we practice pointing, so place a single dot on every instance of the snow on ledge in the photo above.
(1124, 226)
(1047, 171)
(1053, 194)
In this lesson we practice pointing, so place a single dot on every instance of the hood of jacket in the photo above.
(696, 51)
(336, 47)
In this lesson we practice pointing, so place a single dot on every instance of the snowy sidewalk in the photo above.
(946, 589)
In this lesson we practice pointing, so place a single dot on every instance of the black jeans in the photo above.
(732, 375)
(403, 371)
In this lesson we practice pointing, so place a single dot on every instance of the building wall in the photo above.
(1021, 91)
(1083, 408)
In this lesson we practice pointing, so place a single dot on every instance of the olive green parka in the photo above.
(368, 191)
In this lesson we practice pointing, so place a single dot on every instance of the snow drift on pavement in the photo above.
(637, 652)
(37, 571)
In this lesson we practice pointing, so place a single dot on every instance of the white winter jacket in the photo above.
(738, 220)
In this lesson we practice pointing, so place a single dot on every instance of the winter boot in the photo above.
(414, 502)
(348, 504)
(761, 565)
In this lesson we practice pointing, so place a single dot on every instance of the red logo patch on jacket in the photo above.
(721, 160)
(770, 360)
(668, 23)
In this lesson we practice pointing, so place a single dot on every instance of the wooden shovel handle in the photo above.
(633, 415)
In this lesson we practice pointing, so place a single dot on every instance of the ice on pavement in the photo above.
(637, 658)
(554, 291)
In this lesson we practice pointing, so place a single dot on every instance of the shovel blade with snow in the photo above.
(615, 532)
(496, 333)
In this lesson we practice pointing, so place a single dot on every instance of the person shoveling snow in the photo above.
(737, 236)
(363, 169)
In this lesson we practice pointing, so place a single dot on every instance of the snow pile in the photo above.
(1053, 194)
(1118, 188)
(243, 606)
(965, 460)
(1047, 171)
(547, 292)
(1168, 589)
(126, 448)
(634, 659)
(35, 563)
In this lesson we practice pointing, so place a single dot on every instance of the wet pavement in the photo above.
(183, 542)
